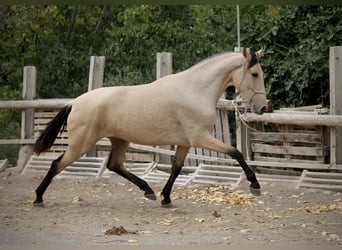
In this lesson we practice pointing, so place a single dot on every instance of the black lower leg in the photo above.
(136, 180)
(168, 186)
(254, 186)
(46, 182)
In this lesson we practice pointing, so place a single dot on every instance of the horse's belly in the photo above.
(154, 134)
(149, 132)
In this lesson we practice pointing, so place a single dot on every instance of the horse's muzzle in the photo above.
(262, 110)
(260, 107)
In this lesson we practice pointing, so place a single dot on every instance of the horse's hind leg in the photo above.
(53, 171)
(181, 153)
(72, 153)
(115, 163)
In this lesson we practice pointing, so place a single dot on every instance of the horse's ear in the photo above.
(245, 52)
(259, 53)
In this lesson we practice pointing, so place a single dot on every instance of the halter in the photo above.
(250, 87)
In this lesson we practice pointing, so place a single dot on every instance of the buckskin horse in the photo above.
(178, 109)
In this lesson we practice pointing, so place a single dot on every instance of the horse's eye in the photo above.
(255, 74)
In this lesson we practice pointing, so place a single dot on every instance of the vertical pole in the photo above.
(242, 136)
(335, 68)
(238, 25)
(29, 93)
(241, 129)
(164, 68)
(96, 73)
(27, 115)
(164, 64)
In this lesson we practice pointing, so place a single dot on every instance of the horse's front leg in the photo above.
(211, 143)
(115, 163)
(177, 165)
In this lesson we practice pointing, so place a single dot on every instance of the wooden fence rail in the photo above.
(35, 104)
(332, 121)
(295, 119)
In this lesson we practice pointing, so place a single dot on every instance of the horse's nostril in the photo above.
(262, 110)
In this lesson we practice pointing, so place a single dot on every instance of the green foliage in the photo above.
(10, 121)
(297, 39)
(59, 41)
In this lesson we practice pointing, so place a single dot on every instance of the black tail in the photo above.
(48, 136)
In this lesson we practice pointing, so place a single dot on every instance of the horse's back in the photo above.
(141, 114)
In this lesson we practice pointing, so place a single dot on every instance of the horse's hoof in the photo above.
(38, 204)
(150, 196)
(255, 191)
(166, 204)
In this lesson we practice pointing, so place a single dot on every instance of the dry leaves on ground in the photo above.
(336, 205)
(214, 195)
(118, 231)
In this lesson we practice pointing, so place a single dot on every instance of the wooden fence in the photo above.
(331, 122)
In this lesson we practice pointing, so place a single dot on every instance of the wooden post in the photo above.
(241, 129)
(335, 66)
(96, 73)
(241, 137)
(27, 116)
(164, 64)
(164, 68)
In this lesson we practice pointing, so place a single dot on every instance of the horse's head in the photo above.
(249, 80)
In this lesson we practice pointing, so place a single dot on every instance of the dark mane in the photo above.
(253, 61)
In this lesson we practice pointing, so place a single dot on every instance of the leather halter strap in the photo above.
(254, 91)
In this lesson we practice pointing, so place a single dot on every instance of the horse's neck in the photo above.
(212, 77)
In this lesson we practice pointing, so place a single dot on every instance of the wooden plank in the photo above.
(96, 72)
(139, 157)
(29, 93)
(35, 104)
(3, 164)
(322, 180)
(172, 152)
(322, 186)
(286, 143)
(80, 167)
(335, 81)
(16, 141)
(324, 174)
(286, 136)
(278, 164)
(287, 150)
(225, 127)
(299, 119)
(259, 157)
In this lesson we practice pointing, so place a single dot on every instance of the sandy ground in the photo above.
(111, 211)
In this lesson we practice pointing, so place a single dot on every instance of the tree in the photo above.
(297, 39)
(59, 41)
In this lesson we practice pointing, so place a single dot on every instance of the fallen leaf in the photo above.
(216, 214)
(200, 220)
(118, 231)
(132, 241)
(245, 231)
(165, 222)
